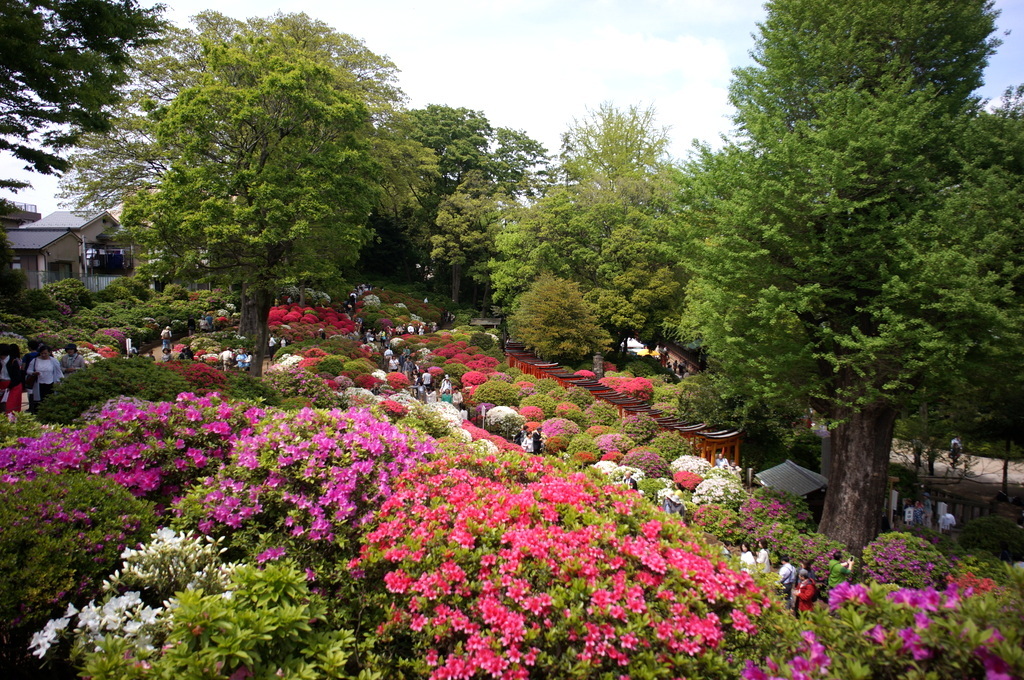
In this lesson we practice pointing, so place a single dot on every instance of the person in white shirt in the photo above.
(787, 579)
(226, 358)
(763, 560)
(46, 372)
(947, 522)
(747, 561)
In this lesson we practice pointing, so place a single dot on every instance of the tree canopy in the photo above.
(554, 320)
(831, 255)
(606, 227)
(63, 62)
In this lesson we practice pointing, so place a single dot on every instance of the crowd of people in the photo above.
(36, 374)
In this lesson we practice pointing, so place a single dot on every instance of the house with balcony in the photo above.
(69, 244)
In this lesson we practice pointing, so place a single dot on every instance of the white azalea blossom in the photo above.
(694, 464)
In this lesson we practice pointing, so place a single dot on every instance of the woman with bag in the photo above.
(42, 375)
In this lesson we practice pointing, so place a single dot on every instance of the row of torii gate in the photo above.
(708, 441)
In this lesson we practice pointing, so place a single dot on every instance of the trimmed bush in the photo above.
(496, 392)
(988, 534)
(905, 560)
(60, 535)
(107, 380)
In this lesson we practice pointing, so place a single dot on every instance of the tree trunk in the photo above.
(456, 280)
(302, 295)
(859, 476)
(1006, 469)
(256, 304)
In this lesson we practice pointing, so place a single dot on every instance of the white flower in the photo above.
(605, 466)
(379, 374)
(694, 464)
(721, 491)
(371, 301)
(400, 305)
(485, 446)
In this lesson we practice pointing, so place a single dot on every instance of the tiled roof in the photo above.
(64, 219)
(792, 478)
(34, 239)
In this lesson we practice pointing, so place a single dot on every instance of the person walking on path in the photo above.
(165, 337)
(45, 373)
(806, 593)
(787, 580)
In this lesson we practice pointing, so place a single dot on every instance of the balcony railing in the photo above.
(94, 282)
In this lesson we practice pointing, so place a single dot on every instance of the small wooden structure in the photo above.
(707, 440)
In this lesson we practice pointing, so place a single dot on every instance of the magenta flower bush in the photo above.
(152, 449)
(559, 427)
(766, 507)
(649, 461)
(640, 428)
(905, 560)
(509, 566)
(613, 441)
(875, 632)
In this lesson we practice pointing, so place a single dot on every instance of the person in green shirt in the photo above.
(838, 571)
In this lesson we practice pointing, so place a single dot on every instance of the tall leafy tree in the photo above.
(472, 157)
(831, 254)
(63, 61)
(270, 166)
(606, 226)
(554, 320)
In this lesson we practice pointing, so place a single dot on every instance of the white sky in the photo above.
(535, 65)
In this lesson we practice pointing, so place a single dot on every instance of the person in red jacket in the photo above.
(805, 593)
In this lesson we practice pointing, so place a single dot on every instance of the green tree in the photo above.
(831, 257)
(270, 164)
(606, 226)
(62, 64)
(501, 163)
(554, 320)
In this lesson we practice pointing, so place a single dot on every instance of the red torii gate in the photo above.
(708, 441)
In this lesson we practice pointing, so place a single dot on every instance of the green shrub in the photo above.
(671, 445)
(498, 393)
(603, 413)
(107, 380)
(331, 365)
(70, 292)
(485, 341)
(60, 535)
(36, 304)
(990, 533)
(360, 366)
(252, 389)
(175, 291)
(581, 442)
(271, 626)
(125, 288)
(579, 396)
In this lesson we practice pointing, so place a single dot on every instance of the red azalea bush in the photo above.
(639, 388)
(367, 382)
(586, 374)
(394, 409)
(509, 566)
(584, 457)
(473, 378)
(397, 381)
(613, 456)
(202, 378)
(686, 479)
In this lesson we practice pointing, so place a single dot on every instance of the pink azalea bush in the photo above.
(614, 441)
(650, 462)
(532, 413)
(511, 567)
(559, 427)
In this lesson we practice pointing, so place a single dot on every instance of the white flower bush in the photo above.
(694, 464)
(287, 361)
(371, 301)
(485, 447)
(720, 491)
(357, 396)
(169, 563)
(448, 412)
(617, 473)
(723, 473)
(400, 305)
(503, 421)
(379, 375)
(461, 435)
(671, 492)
